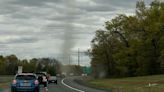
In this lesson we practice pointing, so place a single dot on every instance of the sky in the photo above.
(55, 28)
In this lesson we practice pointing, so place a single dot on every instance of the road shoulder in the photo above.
(72, 81)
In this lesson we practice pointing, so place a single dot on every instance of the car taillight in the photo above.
(14, 81)
(36, 82)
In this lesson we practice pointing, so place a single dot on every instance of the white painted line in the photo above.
(70, 86)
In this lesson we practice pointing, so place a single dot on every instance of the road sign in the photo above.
(87, 70)
(20, 68)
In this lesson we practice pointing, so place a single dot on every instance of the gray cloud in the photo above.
(29, 2)
(18, 40)
(23, 40)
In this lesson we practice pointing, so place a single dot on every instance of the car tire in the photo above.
(36, 90)
(12, 90)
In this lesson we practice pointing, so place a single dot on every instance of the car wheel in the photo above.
(36, 90)
(12, 90)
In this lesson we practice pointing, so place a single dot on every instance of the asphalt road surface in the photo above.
(66, 85)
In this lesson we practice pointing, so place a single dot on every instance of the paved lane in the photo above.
(66, 85)
(52, 88)
(57, 88)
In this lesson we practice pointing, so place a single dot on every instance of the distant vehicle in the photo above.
(40, 77)
(84, 75)
(52, 79)
(25, 82)
(63, 75)
(71, 74)
(58, 75)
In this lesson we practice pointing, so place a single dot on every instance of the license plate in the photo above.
(53, 81)
(25, 84)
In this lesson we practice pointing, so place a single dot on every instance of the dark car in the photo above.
(52, 79)
(40, 77)
(25, 82)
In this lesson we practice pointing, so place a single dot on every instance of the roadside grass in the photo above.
(131, 84)
(5, 81)
(4, 85)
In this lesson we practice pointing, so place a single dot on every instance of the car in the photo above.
(25, 82)
(40, 77)
(71, 74)
(52, 79)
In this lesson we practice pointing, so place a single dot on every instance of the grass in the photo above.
(4, 85)
(130, 84)
(5, 81)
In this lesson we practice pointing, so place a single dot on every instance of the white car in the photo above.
(52, 79)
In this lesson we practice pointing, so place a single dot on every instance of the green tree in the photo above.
(131, 45)
(11, 63)
(2, 65)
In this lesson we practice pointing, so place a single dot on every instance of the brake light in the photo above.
(14, 81)
(36, 82)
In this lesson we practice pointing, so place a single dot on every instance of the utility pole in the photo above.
(78, 57)
(69, 60)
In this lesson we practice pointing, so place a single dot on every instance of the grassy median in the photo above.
(5, 81)
(4, 85)
(131, 84)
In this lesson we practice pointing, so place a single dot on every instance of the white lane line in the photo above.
(71, 87)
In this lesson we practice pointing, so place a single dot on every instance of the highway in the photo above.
(66, 85)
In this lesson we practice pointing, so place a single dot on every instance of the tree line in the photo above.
(130, 45)
(9, 65)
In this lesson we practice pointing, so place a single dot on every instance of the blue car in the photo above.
(25, 82)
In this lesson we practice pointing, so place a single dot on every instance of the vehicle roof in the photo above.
(53, 76)
(40, 73)
(25, 74)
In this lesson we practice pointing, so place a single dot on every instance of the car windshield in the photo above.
(25, 77)
(82, 45)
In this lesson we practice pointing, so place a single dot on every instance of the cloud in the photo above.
(17, 39)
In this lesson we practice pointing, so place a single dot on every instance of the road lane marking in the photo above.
(70, 86)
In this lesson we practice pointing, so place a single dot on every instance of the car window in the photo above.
(53, 76)
(25, 77)
(40, 74)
